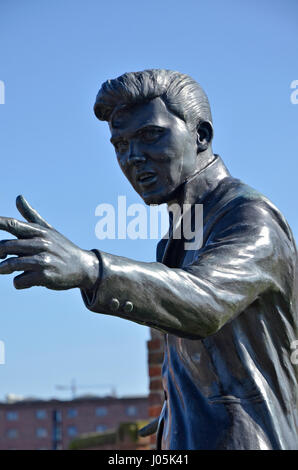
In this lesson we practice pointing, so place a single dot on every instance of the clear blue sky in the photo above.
(54, 57)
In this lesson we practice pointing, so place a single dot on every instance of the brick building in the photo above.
(156, 393)
(130, 438)
(53, 424)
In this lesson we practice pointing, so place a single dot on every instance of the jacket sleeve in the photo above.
(249, 251)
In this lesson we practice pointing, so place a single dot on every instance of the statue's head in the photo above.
(161, 128)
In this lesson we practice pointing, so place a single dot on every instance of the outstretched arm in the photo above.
(249, 251)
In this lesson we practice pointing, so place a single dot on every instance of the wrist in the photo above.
(91, 270)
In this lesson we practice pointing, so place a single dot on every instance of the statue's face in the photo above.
(155, 149)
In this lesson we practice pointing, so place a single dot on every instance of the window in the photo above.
(72, 431)
(41, 432)
(12, 433)
(57, 415)
(101, 428)
(12, 416)
(131, 410)
(72, 413)
(101, 411)
(57, 433)
(41, 414)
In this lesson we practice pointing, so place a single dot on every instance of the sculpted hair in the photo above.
(182, 95)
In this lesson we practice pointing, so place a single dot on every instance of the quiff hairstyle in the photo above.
(182, 95)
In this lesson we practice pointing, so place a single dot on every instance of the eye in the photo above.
(121, 146)
(151, 135)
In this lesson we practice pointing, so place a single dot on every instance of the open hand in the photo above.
(47, 258)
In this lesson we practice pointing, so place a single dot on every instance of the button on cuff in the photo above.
(128, 307)
(114, 304)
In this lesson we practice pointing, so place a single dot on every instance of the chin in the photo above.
(159, 197)
(149, 201)
(155, 199)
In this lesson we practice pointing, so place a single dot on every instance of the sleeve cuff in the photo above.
(89, 296)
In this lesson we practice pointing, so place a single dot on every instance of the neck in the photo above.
(204, 159)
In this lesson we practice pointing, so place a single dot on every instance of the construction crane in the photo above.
(73, 387)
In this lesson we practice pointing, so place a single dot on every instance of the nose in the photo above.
(135, 155)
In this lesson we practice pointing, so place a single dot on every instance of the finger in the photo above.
(20, 229)
(21, 247)
(3, 255)
(26, 280)
(27, 263)
(30, 214)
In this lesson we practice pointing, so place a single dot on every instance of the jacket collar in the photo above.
(200, 184)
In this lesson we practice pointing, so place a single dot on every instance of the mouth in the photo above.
(146, 178)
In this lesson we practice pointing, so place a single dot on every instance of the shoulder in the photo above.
(239, 202)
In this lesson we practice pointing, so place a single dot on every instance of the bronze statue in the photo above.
(228, 309)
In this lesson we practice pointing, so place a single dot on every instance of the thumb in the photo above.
(30, 214)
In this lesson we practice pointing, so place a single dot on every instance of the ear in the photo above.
(204, 135)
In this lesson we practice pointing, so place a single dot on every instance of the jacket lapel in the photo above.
(171, 251)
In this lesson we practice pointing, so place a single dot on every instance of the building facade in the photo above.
(53, 424)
